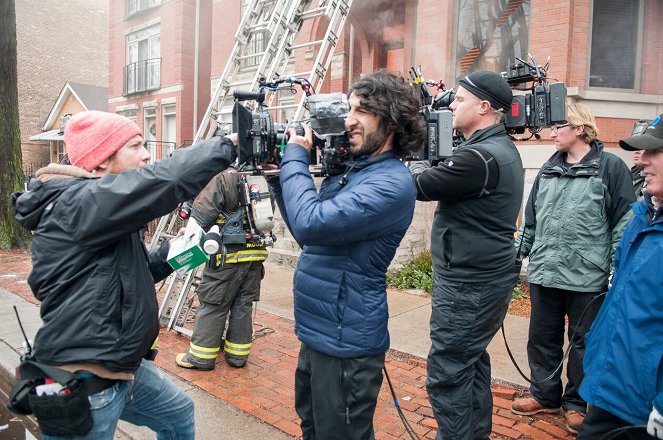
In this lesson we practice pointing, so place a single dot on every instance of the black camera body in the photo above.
(327, 118)
(543, 105)
(261, 140)
(440, 135)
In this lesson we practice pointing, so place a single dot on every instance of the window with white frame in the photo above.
(150, 131)
(131, 114)
(169, 135)
(257, 44)
(143, 69)
(61, 151)
(136, 6)
(616, 44)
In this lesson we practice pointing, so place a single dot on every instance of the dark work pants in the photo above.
(232, 288)
(545, 346)
(334, 397)
(464, 319)
(598, 423)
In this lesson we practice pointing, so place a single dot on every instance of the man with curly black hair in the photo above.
(349, 232)
(479, 191)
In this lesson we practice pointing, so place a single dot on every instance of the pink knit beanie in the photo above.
(92, 137)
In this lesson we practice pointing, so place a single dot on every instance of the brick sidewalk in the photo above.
(264, 387)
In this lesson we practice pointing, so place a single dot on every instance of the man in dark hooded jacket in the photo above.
(93, 274)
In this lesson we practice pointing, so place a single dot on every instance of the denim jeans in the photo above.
(150, 400)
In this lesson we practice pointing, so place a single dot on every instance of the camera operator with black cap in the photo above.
(623, 363)
(479, 191)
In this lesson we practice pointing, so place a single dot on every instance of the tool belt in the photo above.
(63, 413)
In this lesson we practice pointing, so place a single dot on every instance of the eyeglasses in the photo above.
(557, 127)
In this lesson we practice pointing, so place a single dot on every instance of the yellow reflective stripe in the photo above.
(237, 349)
(203, 356)
(220, 220)
(233, 345)
(154, 344)
(204, 352)
(205, 349)
(246, 255)
(236, 352)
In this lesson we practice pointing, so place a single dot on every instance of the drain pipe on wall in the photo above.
(351, 55)
(195, 69)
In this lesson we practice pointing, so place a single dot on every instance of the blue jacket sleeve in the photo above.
(374, 208)
(277, 193)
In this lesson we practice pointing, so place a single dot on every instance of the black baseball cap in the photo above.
(650, 139)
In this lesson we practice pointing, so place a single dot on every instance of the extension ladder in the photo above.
(278, 23)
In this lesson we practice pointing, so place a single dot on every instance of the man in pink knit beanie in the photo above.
(93, 137)
(95, 279)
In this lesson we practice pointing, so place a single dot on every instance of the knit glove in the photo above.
(655, 424)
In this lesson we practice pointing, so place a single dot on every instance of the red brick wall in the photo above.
(432, 36)
(225, 18)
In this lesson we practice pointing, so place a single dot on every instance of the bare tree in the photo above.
(11, 174)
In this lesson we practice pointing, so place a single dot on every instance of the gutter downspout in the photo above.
(195, 69)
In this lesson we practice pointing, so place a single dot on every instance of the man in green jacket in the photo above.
(575, 215)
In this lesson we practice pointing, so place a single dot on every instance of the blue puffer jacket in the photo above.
(349, 234)
(624, 358)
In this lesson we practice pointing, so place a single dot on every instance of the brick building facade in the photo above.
(394, 35)
(57, 42)
(608, 52)
(160, 57)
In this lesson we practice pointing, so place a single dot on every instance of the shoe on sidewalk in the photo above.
(183, 360)
(574, 421)
(529, 405)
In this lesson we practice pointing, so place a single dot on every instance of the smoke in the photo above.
(374, 15)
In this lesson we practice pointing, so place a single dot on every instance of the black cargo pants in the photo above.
(334, 397)
(464, 319)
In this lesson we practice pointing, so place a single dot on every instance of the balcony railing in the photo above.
(136, 6)
(159, 149)
(142, 76)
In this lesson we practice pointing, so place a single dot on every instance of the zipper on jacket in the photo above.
(344, 376)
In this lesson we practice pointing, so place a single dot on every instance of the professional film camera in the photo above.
(543, 104)
(327, 118)
(440, 136)
(260, 140)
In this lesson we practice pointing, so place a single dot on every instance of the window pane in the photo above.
(491, 33)
(614, 43)
(143, 71)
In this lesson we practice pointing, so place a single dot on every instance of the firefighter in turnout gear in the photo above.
(230, 282)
